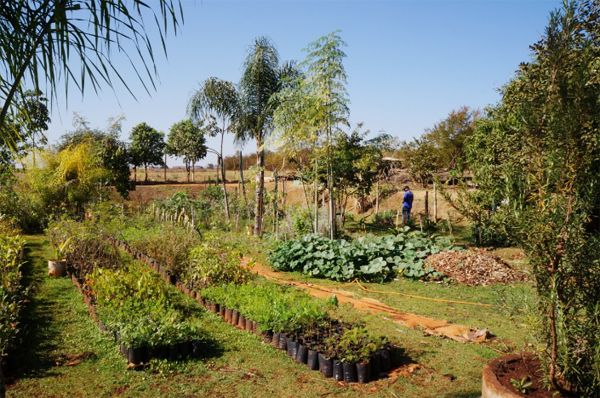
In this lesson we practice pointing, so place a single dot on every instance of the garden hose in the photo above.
(422, 297)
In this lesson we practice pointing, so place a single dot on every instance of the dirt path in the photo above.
(435, 327)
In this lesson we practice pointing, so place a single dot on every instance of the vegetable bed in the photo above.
(369, 258)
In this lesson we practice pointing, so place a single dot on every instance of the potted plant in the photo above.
(356, 348)
(58, 266)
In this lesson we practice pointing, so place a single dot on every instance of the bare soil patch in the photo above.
(431, 326)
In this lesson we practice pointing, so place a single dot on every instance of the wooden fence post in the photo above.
(426, 206)
(435, 212)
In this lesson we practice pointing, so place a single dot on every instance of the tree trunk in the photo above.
(316, 193)
(260, 188)
(218, 168)
(193, 171)
(135, 174)
(145, 173)
(33, 146)
(377, 197)
(332, 218)
(243, 184)
(187, 169)
(225, 196)
(224, 178)
(165, 168)
(283, 193)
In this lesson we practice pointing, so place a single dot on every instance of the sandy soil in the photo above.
(436, 327)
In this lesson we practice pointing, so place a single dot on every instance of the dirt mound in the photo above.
(474, 267)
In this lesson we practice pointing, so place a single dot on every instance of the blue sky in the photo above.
(409, 63)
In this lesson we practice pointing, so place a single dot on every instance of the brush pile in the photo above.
(475, 267)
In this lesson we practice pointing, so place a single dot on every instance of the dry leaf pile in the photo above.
(474, 267)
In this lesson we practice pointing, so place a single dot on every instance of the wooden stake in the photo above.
(435, 212)
(377, 197)
(275, 204)
(426, 205)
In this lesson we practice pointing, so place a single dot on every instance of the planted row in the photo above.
(143, 313)
(12, 291)
(147, 317)
(300, 324)
(371, 258)
(291, 320)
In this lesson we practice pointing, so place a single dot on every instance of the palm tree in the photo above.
(260, 80)
(40, 39)
(217, 99)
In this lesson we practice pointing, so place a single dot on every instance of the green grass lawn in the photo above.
(59, 329)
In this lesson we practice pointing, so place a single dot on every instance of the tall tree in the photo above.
(41, 38)
(106, 145)
(32, 119)
(146, 147)
(217, 99)
(447, 138)
(326, 79)
(545, 152)
(260, 80)
(187, 140)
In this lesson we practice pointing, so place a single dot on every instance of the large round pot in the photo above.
(57, 267)
(491, 387)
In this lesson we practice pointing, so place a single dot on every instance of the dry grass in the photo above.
(177, 177)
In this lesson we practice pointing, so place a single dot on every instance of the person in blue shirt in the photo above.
(407, 202)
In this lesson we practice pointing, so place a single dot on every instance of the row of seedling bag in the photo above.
(145, 316)
(151, 319)
(290, 320)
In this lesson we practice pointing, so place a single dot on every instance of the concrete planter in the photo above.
(491, 386)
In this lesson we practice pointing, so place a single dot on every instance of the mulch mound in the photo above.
(474, 267)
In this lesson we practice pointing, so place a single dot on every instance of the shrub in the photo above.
(213, 264)
(141, 307)
(384, 219)
(167, 243)
(12, 292)
(358, 345)
(86, 248)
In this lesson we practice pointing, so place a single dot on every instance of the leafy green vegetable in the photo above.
(371, 258)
